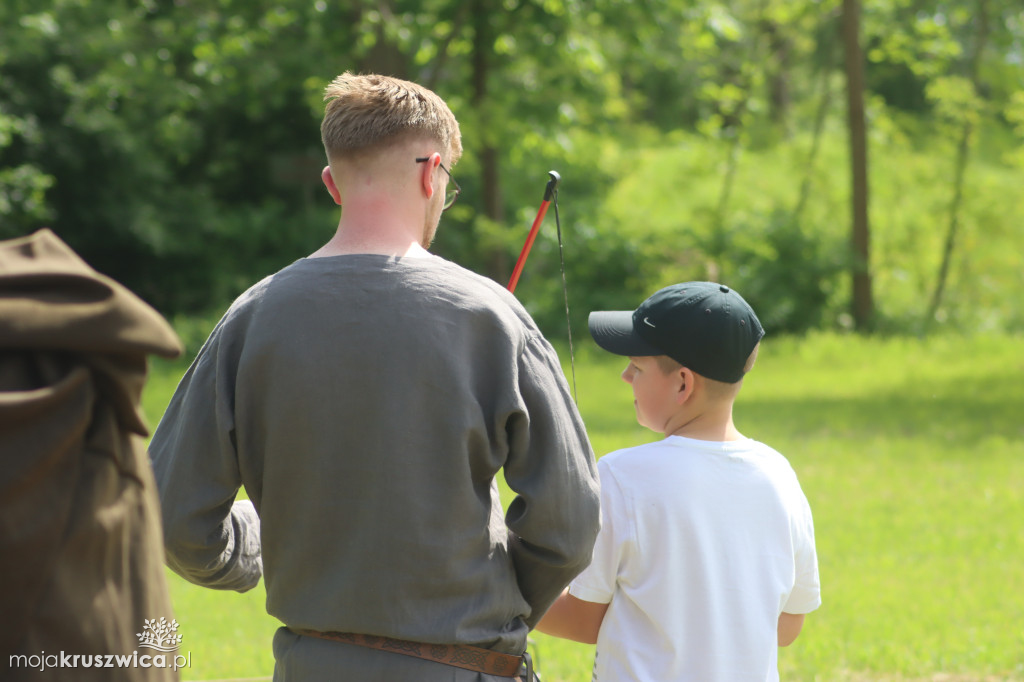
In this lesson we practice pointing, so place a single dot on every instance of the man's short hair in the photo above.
(368, 112)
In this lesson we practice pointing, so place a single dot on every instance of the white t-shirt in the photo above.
(702, 545)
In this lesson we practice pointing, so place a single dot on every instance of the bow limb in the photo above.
(549, 192)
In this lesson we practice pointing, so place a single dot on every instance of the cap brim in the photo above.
(613, 331)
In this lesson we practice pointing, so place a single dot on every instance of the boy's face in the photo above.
(655, 392)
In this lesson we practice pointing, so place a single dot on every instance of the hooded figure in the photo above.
(81, 548)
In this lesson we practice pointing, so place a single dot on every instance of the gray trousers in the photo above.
(311, 659)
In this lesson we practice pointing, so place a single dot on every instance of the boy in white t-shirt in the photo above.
(705, 562)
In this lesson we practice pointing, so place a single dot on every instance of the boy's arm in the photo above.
(790, 625)
(806, 594)
(572, 618)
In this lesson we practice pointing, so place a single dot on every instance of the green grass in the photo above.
(911, 453)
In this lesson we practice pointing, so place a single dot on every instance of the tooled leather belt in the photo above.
(458, 655)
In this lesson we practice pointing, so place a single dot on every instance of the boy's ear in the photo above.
(688, 383)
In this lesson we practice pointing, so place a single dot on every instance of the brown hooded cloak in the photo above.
(81, 549)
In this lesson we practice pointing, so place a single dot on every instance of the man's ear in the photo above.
(332, 188)
(427, 174)
(687, 386)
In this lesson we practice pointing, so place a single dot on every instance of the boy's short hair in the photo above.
(717, 390)
(370, 111)
(704, 326)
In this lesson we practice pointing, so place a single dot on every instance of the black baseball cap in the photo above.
(704, 326)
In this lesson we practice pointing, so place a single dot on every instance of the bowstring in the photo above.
(565, 294)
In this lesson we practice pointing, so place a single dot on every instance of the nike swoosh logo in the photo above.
(649, 324)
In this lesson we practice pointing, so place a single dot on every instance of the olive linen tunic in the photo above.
(367, 404)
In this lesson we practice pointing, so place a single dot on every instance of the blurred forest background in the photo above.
(842, 166)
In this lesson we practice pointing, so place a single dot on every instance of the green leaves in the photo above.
(955, 99)
(149, 134)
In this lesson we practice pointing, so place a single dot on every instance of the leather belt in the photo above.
(458, 655)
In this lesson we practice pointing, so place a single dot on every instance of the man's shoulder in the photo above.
(246, 302)
(452, 274)
(475, 291)
(240, 313)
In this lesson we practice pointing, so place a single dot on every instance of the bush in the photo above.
(793, 265)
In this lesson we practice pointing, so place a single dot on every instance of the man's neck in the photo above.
(380, 237)
(408, 249)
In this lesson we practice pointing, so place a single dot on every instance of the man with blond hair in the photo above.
(366, 397)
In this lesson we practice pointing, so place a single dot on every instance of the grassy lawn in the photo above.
(911, 453)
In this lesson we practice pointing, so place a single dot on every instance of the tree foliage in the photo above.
(175, 144)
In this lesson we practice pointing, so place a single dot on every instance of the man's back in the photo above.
(703, 544)
(369, 402)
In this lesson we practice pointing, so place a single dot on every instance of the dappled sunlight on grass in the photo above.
(911, 453)
(228, 634)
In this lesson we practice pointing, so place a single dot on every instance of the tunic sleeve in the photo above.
(210, 538)
(554, 517)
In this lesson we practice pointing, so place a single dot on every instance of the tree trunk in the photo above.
(384, 57)
(778, 74)
(863, 307)
(824, 93)
(962, 158)
(490, 182)
(735, 124)
(437, 68)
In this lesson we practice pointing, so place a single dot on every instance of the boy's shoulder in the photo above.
(683, 444)
(677, 450)
(626, 463)
(634, 453)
